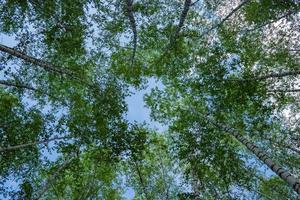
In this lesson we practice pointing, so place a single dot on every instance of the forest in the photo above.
(220, 79)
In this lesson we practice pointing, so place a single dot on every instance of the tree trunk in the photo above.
(283, 174)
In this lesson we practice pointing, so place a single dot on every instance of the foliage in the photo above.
(66, 80)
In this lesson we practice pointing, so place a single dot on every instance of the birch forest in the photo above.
(150, 99)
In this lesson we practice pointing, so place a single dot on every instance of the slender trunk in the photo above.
(283, 174)
(129, 13)
(52, 178)
(32, 143)
(47, 66)
(17, 85)
(186, 7)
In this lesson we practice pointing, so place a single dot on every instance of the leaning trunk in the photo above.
(283, 174)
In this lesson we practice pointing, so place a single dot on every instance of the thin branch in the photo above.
(194, 3)
(232, 12)
(52, 178)
(46, 65)
(32, 144)
(129, 13)
(274, 75)
(186, 7)
(140, 177)
(272, 21)
(17, 85)
(297, 50)
(278, 144)
(218, 25)
(283, 91)
(263, 77)
(10, 83)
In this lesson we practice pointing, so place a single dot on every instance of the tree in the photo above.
(229, 71)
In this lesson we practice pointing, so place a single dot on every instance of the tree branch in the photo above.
(283, 91)
(46, 65)
(272, 21)
(274, 75)
(218, 25)
(32, 143)
(140, 177)
(129, 13)
(186, 7)
(12, 84)
(52, 178)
